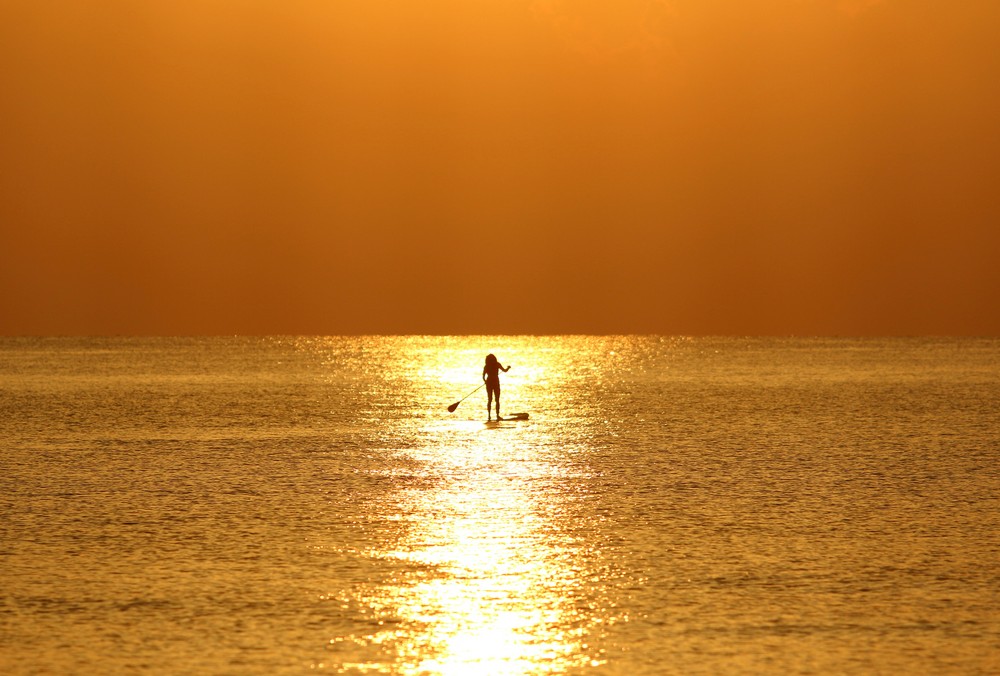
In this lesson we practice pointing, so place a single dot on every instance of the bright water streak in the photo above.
(672, 506)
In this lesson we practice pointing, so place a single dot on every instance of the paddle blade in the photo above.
(451, 409)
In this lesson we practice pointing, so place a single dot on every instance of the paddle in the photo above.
(451, 409)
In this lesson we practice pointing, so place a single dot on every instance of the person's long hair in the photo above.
(491, 359)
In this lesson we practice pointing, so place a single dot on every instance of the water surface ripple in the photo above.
(673, 505)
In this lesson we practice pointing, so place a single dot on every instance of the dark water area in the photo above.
(672, 505)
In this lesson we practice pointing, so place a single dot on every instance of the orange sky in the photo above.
(500, 166)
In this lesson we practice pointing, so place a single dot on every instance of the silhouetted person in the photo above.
(491, 374)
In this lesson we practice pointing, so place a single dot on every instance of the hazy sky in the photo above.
(500, 166)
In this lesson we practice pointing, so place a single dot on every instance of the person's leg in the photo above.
(489, 401)
(497, 394)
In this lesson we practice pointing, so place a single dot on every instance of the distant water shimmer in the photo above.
(672, 506)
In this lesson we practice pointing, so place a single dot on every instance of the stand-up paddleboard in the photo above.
(508, 418)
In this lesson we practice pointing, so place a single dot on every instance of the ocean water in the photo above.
(673, 505)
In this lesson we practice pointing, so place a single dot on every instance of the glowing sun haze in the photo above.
(499, 166)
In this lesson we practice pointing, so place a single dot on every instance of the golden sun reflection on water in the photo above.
(490, 610)
(493, 599)
(499, 572)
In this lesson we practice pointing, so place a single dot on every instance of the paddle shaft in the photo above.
(451, 409)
